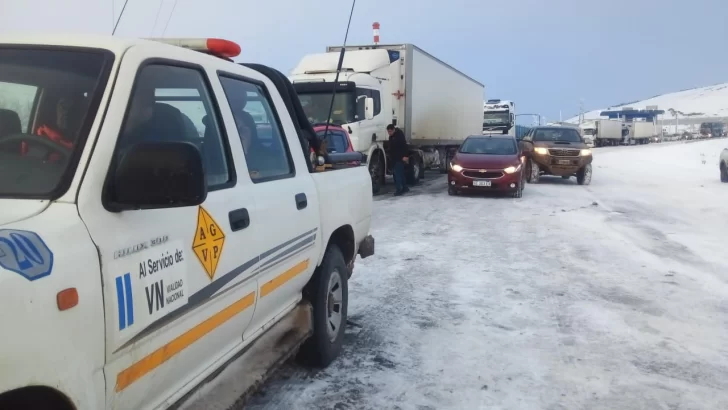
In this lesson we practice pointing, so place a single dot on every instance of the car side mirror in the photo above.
(369, 108)
(154, 175)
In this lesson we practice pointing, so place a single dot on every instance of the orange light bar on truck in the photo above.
(214, 46)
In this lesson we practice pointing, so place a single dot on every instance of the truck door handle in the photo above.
(239, 219)
(301, 201)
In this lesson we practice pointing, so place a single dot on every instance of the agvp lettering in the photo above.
(208, 242)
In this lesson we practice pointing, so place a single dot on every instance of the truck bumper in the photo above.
(366, 247)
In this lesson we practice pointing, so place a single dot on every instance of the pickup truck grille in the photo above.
(564, 152)
(487, 175)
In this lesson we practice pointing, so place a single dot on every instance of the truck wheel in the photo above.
(443, 161)
(583, 177)
(421, 175)
(328, 292)
(375, 170)
(723, 172)
(412, 170)
(534, 172)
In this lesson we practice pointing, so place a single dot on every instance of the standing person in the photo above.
(398, 151)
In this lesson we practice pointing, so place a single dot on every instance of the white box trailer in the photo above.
(435, 105)
(604, 132)
(640, 132)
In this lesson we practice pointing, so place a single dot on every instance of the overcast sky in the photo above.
(545, 55)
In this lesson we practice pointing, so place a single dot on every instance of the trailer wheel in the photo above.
(442, 153)
(414, 170)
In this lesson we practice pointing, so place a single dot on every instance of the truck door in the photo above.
(178, 290)
(377, 125)
(285, 195)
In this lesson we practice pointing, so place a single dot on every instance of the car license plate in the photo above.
(564, 162)
(481, 183)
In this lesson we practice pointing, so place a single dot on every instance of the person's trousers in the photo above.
(398, 174)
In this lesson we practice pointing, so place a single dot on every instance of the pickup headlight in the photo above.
(541, 151)
(585, 152)
(456, 167)
(511, 170)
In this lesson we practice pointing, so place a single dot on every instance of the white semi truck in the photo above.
(603, 132)
(640, 132)
(435, 105)
(499, 117)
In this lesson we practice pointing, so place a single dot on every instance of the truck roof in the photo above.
(398, 47)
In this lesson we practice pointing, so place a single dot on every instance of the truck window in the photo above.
(172, 103)
(48, 99)
(377, 102)
(373, 94)
(267, 154)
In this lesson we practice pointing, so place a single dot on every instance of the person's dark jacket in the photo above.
(398, 148)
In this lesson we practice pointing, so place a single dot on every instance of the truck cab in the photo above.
(499, 117)
(160, 218)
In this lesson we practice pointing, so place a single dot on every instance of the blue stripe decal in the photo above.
(120, 302)
(129, 300)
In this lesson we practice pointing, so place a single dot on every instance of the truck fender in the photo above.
(373, 151)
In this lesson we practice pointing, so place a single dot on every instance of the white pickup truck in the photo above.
(160, 219)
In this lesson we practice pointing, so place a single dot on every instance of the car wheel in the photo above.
(328, 293)
(535, 172)
(584, 176)
(519, 192)
(723, 173)
(452, 191)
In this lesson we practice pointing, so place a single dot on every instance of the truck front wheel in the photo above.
(376, 171)
(328, 292)
(584, 176)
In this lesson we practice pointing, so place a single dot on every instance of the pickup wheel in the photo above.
(723, 172)
(533, 172)
(584, 176)
(328, 292)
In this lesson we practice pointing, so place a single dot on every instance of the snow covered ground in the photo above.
(611, 296)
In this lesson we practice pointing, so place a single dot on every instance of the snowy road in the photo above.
(612, 296)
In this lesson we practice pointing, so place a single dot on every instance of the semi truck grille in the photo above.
(564, 152)
(478, 174)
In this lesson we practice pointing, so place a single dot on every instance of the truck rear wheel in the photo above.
(328, 292)
(583, 177)
(414, 170)
(723, 172)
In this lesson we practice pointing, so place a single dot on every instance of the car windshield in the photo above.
(336, 140)
(489, 146)
(557, 135)
(46, 97)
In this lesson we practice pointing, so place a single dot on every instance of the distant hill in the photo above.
(694, 104)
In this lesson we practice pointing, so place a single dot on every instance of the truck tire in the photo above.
(584, 175)
(328, 292)
(376, 167)
(413, 170)
(442, 153)
(723, 172)
(533, 174)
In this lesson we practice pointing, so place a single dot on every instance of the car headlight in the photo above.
(541, 151)
(585, 152)
(511, 170)
(456, 167)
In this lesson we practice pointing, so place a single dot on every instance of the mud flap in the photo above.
(366, 247)
(231, 385)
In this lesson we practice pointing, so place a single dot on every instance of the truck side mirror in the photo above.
(154, 175)
(369, 108)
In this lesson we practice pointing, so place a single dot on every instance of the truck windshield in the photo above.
(316, 106)
(557, 135)
(492, 118)
(489, 146)
(48, 98)
(589, 131)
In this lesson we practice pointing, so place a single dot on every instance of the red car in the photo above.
(337, 139)
(487, 163)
